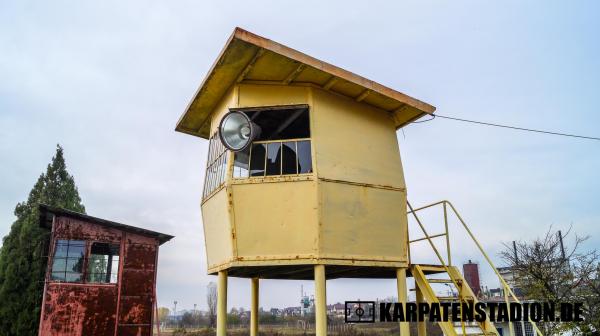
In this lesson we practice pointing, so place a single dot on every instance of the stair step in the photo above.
(432, 268)
(455, 298)
(447, 298)
(439, 280)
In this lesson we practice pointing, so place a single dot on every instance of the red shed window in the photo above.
(103, 263)
(68, 260)
(71, 263)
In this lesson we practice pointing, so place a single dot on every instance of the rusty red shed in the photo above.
(101, 276)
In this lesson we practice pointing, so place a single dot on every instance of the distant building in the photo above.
(471, 273)
(508, 274)
(337, 309)
(307, 305)
(511, 277)
(292, 311)
(496, 292)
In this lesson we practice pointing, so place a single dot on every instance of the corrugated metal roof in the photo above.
(47, 213)
(249, 58)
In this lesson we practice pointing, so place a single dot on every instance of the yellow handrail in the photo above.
(485, 255)
(437, 253)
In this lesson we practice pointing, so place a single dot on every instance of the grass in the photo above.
(377, 329)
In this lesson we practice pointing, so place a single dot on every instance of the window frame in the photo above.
(66, 259)
(280, 177)
(87, 264)
(86, 255)
(218, 158)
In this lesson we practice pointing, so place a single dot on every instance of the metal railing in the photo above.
(445, 204)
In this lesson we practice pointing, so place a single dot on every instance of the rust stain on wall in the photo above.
(81, 308)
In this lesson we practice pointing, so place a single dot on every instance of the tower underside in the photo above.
(306, 272)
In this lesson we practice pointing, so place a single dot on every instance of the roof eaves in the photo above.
(47, 212)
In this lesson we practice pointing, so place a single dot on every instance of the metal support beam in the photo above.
(421, 325)
(427, 237)
(320, 301)
(447, 236)
(222, 304)
(402, 298)
(330, 83)
(254, 308)
(400, 109)
(294, 74)
(363, 95)
(250, 65)
(511, 331)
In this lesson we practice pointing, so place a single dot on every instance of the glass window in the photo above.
(223, 168)
(289, 163)
(103, 263)
(283, 146)
(67, 264)
(274, 158)
(281, 123)
(257, 159)
(216, 168)
(240, 164)
(304, 157)
(528, 328)
(518, 327)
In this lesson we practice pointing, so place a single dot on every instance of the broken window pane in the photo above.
(103, 263)
(281, 124)
(304, 157)
(289, 155)
(289, 164)
(257, 160)
(274, 158)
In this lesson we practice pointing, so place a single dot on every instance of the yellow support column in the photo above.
(421, 326)
(511, 331)
(222, 304)
(254, 308)
(320, 301)
(402, 298)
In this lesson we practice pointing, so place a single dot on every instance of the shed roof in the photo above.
(249, 58)
(47, 213)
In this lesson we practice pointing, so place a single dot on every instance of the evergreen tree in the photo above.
(23, 257)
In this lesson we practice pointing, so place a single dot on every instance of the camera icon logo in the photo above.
(359, 312)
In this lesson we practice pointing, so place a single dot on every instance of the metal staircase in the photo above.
(423, 284)
(425, 293)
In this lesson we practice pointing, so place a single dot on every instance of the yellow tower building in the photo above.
(304, 179)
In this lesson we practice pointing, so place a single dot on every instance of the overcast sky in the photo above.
(109, 79)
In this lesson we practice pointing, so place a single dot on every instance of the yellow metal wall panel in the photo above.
(354, 212)
(217, 229)
(362, 222)
(354, 142)
(275, 219)
(228, 101)
(271, 95)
